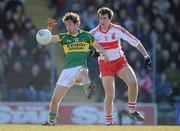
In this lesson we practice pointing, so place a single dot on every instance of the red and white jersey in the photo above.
(111, 40)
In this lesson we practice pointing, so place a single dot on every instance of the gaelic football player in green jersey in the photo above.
(76, 45)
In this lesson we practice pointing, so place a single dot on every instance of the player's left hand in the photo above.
(105, 56)
(147, 62)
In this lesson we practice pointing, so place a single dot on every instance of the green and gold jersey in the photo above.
(76, 47)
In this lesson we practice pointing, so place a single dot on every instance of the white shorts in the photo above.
(68, 77)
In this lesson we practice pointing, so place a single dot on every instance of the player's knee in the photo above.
(82, 77)
(133, 84)
(110, 97)
(81, 74)
(79, 77)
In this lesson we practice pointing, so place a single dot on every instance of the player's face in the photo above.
(71, 27)
(104, 20)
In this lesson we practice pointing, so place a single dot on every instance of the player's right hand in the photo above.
(105, 56)
(51, 23)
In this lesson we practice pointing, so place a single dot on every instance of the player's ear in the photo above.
(110, 19)
(77, 24)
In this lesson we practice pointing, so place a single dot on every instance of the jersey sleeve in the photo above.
(125, 35)
(91, 39)
(61, 36)
(58, 38)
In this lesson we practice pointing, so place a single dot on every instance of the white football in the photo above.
(43, 36)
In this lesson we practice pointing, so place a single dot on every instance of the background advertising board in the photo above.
(79, 113)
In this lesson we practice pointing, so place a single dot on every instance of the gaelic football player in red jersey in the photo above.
(113, 62)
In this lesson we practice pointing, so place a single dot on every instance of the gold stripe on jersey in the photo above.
(76, 47)
(93, 43)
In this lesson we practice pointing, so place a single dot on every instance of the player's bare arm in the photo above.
(51, 23)
(125, 35)
(141, 49)
(147, 59)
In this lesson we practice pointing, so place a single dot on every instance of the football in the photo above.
(43, 36)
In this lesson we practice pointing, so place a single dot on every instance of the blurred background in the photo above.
(29, 71)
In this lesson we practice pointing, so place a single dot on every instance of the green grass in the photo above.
(13, 127)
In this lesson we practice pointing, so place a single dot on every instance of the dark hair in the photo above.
(105, 10)
(74, 17)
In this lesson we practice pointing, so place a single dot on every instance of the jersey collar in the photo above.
(99, 28)
(78, 32)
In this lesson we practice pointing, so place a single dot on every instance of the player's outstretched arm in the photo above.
(51, 23)
(132, 40)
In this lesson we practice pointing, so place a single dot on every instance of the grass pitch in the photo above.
(12, 127)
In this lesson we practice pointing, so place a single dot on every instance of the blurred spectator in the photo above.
(36, 84)
(162, 5)
(175, 9)
(12, 5)
(18, 83)
(173, 75)
(89, 18)
(130, 6)
(2, 66)
(145, 86)
(164, 88)
(30, 43)
(1, 13)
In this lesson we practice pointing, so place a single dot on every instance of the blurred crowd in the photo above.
(25, 66)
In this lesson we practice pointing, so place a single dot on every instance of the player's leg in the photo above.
(128, 76)
(59, 93)
(109, 88)
(82, 78)
(64, 83)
